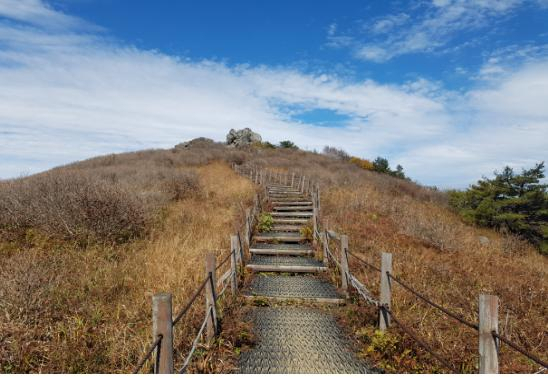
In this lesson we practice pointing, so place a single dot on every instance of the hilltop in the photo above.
(84, 246)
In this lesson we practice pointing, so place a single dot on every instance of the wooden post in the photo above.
(293, 180)
(385, 295)
(211, 297)
(234, 264)
(325, 241)
(488, 322)
(344, 263)
(247, 226)
(314, 223)
(162, 324)
(318, 196)
(301, 188)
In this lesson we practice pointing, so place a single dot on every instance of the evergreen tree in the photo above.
(517, 202)
(381, 165)
(288, 144)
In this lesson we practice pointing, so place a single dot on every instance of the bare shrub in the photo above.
(181, 185)
(70, 205)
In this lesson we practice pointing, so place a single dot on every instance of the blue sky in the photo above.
(450, 89)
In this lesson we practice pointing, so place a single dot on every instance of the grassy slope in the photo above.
(68, 307)
(73, 309)
(438, 255)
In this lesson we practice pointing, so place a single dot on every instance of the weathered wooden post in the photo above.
(293, 180)
(488, 322)
(385, 295)
(247, 226)
(325, 240)
(234, 264)
(162, 324)
(314, 222)
(211, 297)
(345, 274)
(301, 187)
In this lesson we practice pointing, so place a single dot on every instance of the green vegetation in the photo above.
(265, 222)
(513, 202)
(288, 144)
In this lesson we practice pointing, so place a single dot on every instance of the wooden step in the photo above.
(293, 237)
(287, 214)
(292, 203)
(281, 249)
(291, 221)
(293, 208)
(286, 268)
(287, 227)
(289, 264)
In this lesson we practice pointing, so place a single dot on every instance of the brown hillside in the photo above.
(83, 248)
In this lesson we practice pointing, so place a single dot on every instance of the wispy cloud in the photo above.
(69, 95)
(428, 28)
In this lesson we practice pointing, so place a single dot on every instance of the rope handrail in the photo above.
(227, 257)
(442, 309)
(148, 354)
(195, 341)
(520, 350)
(364, 262)
(412, 334)
(190, 302)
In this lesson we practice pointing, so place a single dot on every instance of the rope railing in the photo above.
(442, 309)
(364, 262)
(519, 349)
(195, 341)
(190, 301)
(414, 336)
(224, 261)
(148, 354)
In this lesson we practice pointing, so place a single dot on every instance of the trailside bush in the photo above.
(70, 205)
(516, 202)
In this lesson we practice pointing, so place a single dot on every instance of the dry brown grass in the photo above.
(86, 307)
(437, 254)
(64, 308)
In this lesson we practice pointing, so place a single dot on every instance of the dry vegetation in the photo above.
(84, 247)
(438, 255)
(69, 306)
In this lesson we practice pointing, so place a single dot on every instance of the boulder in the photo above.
(484, 240)
(240, 138)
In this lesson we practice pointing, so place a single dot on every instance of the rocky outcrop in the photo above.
(240, 138)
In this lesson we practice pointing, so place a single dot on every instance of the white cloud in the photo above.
(430, 30)
(67, 96)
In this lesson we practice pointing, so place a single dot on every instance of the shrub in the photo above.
(336, 153)
(362, 163)
(70, 205)
(288, 144)
(265, 222)
(182, 185)
(517, 202)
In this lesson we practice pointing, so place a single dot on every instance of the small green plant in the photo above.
(265, 222)
(306, 232)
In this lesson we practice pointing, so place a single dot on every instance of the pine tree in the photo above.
(516, 202)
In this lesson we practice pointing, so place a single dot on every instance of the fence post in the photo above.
(385, 295)
(247, 226)
(325, 240)
(344, 263)
(211, 297)
(233, 264)
(488, 322)
(162, 325)
(314, 222)
(293, 180)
